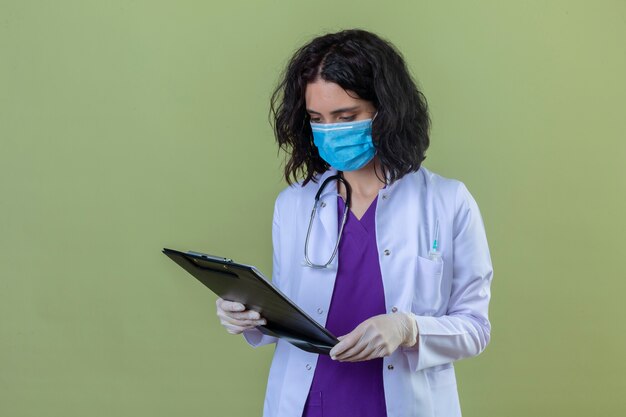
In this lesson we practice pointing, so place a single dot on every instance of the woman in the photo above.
(409, 287)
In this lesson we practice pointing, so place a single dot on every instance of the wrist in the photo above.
(412, 333)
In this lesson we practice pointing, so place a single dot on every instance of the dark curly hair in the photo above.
(361, 62)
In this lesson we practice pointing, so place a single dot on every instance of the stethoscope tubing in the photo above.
(339, 178)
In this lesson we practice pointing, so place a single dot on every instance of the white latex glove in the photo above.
(376, 337)
(235, 318)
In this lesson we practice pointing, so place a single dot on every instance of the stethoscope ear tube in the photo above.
(339, 177)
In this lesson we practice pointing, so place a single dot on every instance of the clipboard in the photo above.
(245, 284)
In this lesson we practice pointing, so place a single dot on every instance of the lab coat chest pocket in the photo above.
(427, 296)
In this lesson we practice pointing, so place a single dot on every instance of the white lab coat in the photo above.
(450, 299)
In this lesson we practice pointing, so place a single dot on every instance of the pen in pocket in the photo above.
(434, 254)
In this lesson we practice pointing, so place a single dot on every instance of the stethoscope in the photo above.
(346, 210)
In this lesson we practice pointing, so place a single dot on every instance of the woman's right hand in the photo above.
(235, 318)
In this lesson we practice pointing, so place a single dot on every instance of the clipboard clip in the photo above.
(205, 256)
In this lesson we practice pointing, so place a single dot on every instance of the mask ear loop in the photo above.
(306, 123)
(385, 181)
(373, 118)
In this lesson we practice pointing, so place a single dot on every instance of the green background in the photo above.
(129, 126)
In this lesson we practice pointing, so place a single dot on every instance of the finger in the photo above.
(232, 306)
(236, 318)
(332, 352)
(339, 347)
(372, 352)
(235, 329)
(367, 353)
(368, 337)
(219, 302)
(347, 341)
(358, 347)
(244, 315)
(225, 319)
(242, 328)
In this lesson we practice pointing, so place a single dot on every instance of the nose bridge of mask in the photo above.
(324, 128)
(331, 127)
(341, 135)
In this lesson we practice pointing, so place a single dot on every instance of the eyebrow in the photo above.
(342, 110)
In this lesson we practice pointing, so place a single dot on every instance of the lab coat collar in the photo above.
(322, 178)
(388, 189)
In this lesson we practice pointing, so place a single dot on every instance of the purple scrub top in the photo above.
(352, 388)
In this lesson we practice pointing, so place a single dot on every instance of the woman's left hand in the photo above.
(376, 337)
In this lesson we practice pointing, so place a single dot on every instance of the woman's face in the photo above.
(327, 102)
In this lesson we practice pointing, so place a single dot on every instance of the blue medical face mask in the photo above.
(346, 146)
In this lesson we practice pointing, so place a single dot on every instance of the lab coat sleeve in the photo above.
(464, 331)
(254, 336)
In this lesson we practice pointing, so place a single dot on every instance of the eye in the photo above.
(314, 119)
(347, 118)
